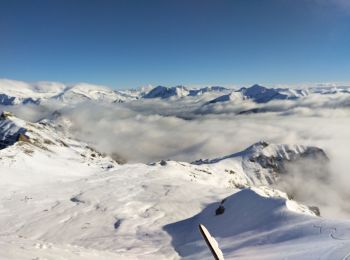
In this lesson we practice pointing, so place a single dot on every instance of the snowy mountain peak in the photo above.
(233, 96)
(263, 163)
(16, 92)
(213, 89)
(167, 92)
(181, 91)
(283, 151)
(261, 94)
(247, 218)
(278, 151)
(36, 144)
(11, 130)
(87, 92)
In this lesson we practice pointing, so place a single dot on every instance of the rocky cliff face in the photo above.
(10, 133)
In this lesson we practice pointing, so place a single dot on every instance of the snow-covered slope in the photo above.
(18, 92)
(181, 91)
(262, 163)
(201, 91)
(167, 92)
(330, 90)
(261, 223)
(115, 214)
(87, 92)
(43, 152)
(260, 94)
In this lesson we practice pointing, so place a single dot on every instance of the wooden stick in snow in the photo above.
(211, 243)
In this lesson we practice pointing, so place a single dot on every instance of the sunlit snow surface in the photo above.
(61, 199)
(145, 212)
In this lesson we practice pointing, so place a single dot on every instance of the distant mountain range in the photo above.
(18, 92)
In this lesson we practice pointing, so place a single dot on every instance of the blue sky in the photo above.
(132, 43)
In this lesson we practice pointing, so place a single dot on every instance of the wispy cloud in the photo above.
(341, 4)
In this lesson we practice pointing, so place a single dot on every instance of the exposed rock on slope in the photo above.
(166, 92)
(181, 91)
(262, 163)
(44, 149)
(260, 94)
(10, 133)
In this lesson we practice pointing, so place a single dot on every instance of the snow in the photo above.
(58, 207)
(255, 225)
(20, 89)
(142, 198)
(85, 92)
(260, 94)
(17, 92)
(47, 150)
(181, 91)
(165, 92)
(62, 199)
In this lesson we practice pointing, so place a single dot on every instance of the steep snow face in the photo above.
(261, 223)
(10, 132)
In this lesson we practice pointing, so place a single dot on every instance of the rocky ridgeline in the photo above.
(10, 133)
(264, 163)
(45, 138)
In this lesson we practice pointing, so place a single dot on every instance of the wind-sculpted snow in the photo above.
(262, 224)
